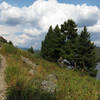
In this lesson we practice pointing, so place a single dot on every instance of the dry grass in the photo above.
(71, 85)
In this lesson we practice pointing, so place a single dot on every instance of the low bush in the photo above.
(9, 49)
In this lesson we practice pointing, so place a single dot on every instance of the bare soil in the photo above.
(2, 78)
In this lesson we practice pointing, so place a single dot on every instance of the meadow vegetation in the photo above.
(71, 84)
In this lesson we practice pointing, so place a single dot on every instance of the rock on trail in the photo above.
(29, 62)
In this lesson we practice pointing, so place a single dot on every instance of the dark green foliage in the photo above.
(2, 40)
(65, 42)
(55, 43)
(69, 29)
(51, 45)
(30, 50)
(86, 51)
(47, 96)
(10, 42)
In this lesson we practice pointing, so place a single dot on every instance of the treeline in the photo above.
(65, 42)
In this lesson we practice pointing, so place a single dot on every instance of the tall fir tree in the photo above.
(52, 44)
(86, 52)
(10, 42)
(69, 29)
(30, 50)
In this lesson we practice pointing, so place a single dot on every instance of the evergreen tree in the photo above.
(67, 44)
(10, 42)
(30, 50)
(69, 29)
(86, 52)
(51, 46)
(45, 49)
(2, 40)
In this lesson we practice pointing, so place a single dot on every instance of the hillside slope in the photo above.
(29, 77)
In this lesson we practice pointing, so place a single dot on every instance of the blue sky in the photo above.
(88, 2)
(22, 3)
(25, 22)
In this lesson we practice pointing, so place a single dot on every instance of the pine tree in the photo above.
(51, 46)
(30, 50)
(46, 44)
(69, 29)
(10, 42)
(86, 52)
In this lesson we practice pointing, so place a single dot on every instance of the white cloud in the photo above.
(32, 32)
(21, 39)
(95, 28)
(34, 20)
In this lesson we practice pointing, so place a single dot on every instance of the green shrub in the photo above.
(20, 91)
(9, 49)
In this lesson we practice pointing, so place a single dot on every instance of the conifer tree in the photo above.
(10, 42)
(51, 46)
(86, 52)
(46, 44)
(30, 50)
(69, 29)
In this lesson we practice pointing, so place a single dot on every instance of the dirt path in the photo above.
(2, 80)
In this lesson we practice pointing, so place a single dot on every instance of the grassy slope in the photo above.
(71, 85)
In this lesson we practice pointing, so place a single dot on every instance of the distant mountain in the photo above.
(36, 50)
(24, 48)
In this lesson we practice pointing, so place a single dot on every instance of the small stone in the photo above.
(52, 77)
(48, 86)
(31, 72)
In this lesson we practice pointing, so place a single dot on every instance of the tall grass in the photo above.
(71, 85)
(22, 87)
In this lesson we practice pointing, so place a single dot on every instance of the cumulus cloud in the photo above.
(32, 32)
(94, 28)
(33, 21)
